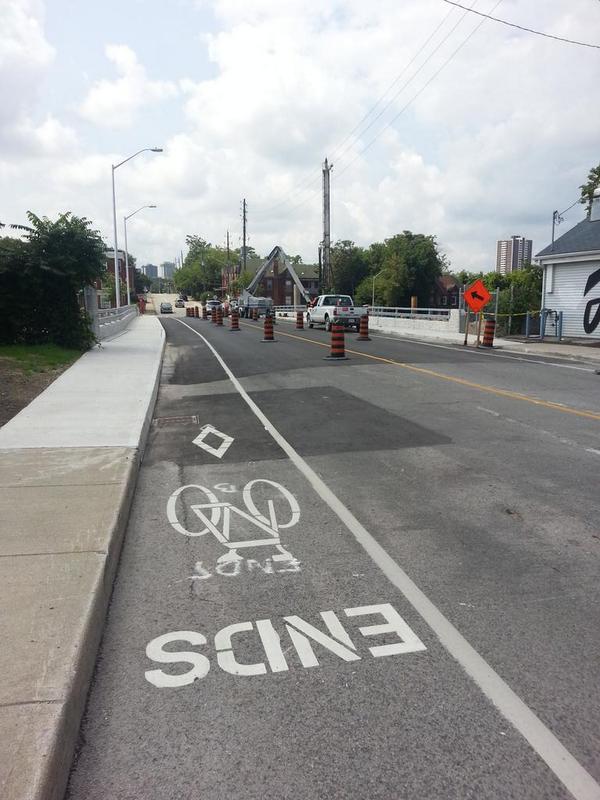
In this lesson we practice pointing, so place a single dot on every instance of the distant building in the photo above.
(150, 270)
(512, 253)
(168, 269)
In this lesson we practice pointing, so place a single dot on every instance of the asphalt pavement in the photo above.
(375, 578)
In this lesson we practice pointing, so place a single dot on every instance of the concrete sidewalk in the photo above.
(68, 468)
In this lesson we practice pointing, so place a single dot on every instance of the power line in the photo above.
(305, 185)
(406, 83)
(523, 28)
(397, 78)
(414, 97)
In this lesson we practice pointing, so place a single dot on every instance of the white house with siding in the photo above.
(571, 277)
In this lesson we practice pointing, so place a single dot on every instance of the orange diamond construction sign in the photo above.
(477, 296)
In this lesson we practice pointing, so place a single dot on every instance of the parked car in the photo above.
(166, 308)
(179, 303)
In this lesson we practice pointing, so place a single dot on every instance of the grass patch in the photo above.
(38, 357)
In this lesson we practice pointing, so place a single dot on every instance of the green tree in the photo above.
(464, 277)
(142, 282)
(589, 187)
(202, 266)
(241, 282)
(40, 281)
(403, 266)
(349, 265)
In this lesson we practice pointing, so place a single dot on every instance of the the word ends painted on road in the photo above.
(301, 634)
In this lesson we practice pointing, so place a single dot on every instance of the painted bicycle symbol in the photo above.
(237, 528)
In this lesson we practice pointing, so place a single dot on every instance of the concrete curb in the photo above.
(555, 353)
(56, 767)
(47, 673)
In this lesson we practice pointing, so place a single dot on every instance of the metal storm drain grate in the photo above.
(162, 422)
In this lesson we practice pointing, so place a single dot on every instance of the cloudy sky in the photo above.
(433, 122)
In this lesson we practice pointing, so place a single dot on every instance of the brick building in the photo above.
(104, 301)
(279, 277)
(445, 293)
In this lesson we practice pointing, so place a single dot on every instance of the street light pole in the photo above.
(127, 251)
(373, 295)
(116, 247)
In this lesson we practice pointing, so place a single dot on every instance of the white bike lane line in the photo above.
(560, 761)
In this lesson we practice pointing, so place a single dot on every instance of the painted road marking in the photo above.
(302, 636)
(566, 768)
(452, 379)
(274, 565)
(229, 517)
(210, 430)
(525, 358)
(493, 354)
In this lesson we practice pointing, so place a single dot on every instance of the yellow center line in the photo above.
(461, 381)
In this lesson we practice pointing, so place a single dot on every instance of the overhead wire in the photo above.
(522, 27)
(404, 85)
(304, 185)
(414, 97)
(409, 103)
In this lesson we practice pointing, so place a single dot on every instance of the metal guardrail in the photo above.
(401, 312)
(398, 312)
(109, 322)
(109, 315)
(288, 309)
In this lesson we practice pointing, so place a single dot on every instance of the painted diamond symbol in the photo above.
(210, 430)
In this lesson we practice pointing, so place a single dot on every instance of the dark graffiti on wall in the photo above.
(590, 325)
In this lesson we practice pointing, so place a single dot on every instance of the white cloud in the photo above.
(501, 137)
(25, 56)
(116, 103)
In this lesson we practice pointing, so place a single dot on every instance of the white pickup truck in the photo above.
(338, 307)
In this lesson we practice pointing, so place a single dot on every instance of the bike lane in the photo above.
(254, 649)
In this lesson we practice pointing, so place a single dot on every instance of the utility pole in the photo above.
(244, 216)
(227, 251)
(327, 276)
(320, 270)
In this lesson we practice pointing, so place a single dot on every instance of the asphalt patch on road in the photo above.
(177, 423)
(323, 419)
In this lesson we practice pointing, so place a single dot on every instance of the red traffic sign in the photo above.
(477, 296)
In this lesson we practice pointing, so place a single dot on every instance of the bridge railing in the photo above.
(283, 310)
(112, 314)
(397, 312)
(109, 321)
(405, 312)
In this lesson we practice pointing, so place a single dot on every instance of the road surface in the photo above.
(380, 579)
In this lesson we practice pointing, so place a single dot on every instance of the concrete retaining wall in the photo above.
(430, 327)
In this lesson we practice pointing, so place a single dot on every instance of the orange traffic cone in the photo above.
(363, 332)
(268, 329)
(337, 352)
